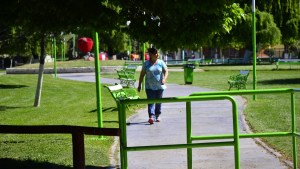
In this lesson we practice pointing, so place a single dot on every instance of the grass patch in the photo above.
(73, 103)
(63, 102)
(269, 113)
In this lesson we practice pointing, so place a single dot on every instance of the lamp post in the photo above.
(143, 58)
(98, 82)
(254, 46)
(85, 45)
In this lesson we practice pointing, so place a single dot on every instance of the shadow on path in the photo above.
(7, 163)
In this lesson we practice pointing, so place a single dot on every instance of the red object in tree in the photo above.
(85, 44)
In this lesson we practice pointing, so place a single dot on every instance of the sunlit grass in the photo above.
(269, 113)
(63, 102)
(73, 103)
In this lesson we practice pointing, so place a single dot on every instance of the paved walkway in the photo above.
(209, 117)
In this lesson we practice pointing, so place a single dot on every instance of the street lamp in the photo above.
(254, 46)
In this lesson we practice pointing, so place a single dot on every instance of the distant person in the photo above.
(133, 56)
(156, 72)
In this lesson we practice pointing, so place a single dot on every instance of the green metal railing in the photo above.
(205, 96)
(122, 122)
(293, 133)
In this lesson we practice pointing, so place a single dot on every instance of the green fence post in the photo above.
(254, 46)
(189, 134)
(98, 82)
(294, 130)
(123, 135)
(236, 136)
(143, 61)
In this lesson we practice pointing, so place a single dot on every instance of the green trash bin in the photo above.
(189, 73)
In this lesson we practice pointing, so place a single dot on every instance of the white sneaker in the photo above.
(158, 119)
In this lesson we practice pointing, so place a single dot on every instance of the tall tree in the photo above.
(267, 32)
(171, 24)
(286, 15)
(45, 17)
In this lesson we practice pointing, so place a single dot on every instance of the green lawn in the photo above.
(268, 113)
(63, 102)
(74, 103)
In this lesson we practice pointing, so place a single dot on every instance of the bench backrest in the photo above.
(121, 74)
(244, 72)
(207, 61)
(115, 87)
(127, 74)
(130, 70)
(131, 62)
(117, 92)
(175, 62)
(132, 66)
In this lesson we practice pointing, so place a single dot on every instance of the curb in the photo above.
(103, 69)
(61, 70)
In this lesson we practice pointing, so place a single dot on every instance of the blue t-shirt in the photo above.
(154, 74)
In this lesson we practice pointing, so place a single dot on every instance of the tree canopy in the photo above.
(286, 15)
(169, 24)
(173, 24)
(56, 16)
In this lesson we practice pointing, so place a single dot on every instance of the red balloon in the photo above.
(85, 44)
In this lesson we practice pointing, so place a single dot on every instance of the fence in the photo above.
(77, 132)
(204, 96)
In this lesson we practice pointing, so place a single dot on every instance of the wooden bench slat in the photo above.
(56, 129)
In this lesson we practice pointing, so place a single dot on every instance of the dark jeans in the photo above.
(154, 109)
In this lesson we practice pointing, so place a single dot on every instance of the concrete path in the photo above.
(209, 117)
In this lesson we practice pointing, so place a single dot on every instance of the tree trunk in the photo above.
(38, 92)
(11, 63)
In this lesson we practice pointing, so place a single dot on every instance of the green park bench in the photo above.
(130, 64)
(119, 93)
(196, 62)
(175, 62)
(126, 77)
(270, 60)
(289, 62)
(207, 61)
(238, 81)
